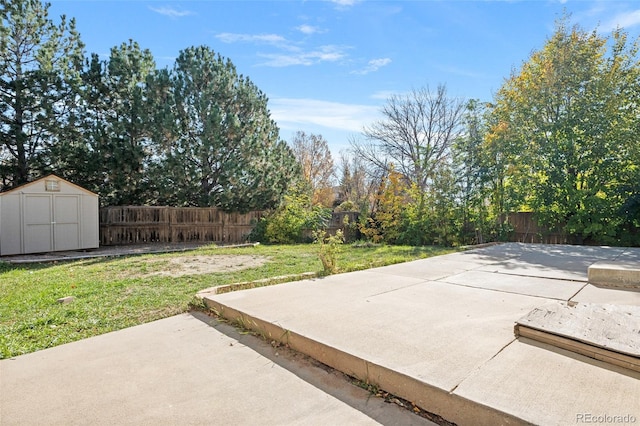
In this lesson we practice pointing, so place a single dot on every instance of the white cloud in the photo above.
(290, 53)
(251, 38)
(170, 12)
(385, 94)
(328, 53)
(294, 113)
(373, 65)
(345, 3)
(309, 29)
(624, 20)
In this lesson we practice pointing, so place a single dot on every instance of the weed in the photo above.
(198, 304)
(329, 248)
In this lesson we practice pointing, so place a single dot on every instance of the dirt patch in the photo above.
(203, 264)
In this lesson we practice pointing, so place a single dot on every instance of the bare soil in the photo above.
(204, 264)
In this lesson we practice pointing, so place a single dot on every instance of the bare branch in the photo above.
(416, 135)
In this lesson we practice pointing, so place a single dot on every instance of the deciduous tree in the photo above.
(572, 109)
(357, 186)
(416, 134)
(316, 164)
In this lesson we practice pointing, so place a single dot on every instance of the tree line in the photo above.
(558, 139)
(197, 134)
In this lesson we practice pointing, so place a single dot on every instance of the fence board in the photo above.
(527, 230)
(145, 224)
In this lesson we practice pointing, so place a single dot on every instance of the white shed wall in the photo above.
(34, 219)
(10, 224)
(90, 222)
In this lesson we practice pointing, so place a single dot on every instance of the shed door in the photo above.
(38, 223)
(66, 222)
(51, 222)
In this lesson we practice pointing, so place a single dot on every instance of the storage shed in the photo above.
(49, 214)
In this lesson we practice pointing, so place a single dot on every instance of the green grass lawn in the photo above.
(114, 293)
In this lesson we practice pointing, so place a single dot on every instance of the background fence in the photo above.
(527, 230)
(144, 224)
(123, 225)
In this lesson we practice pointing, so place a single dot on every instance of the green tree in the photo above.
(386, 221)
(356, 188)
(296, 218)
(471, 174)
(40, 64)
(113, 148)
(572, 111)
(430, 217)
(416, 139)
(221, 147)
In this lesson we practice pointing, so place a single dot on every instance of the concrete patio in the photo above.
(184, 370)
(438, 332)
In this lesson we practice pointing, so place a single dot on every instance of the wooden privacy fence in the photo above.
(345, 221)
(144, 224)
(527, 230)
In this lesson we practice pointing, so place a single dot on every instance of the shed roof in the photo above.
(49, 176)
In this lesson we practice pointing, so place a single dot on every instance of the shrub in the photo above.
(296, 214)
(330, 246)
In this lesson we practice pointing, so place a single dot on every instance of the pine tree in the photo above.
(40, 65)
(219, 147)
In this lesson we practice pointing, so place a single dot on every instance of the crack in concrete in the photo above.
(479, 367)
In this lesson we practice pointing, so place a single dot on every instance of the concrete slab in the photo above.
(437, 332)
(594, 294)
(544, 385)
(434, 332)
(175, 371)
(434, 268)
(554, 261)
(615, 273)
(530, 286)
(437, 343)
(497, 252)
(630, 254)
(335, 290)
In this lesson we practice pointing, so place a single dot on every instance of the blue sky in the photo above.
(328, 66)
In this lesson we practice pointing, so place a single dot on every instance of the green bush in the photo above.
(288, 223)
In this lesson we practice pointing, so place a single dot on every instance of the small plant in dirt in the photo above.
(330, 246)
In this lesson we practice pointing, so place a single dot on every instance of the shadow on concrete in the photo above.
(570, 259)
(321, 376)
